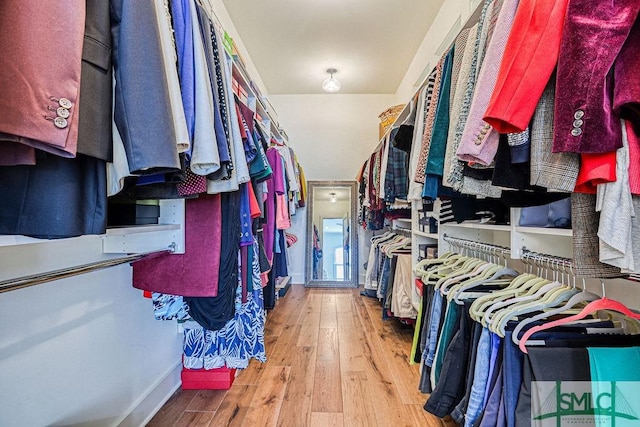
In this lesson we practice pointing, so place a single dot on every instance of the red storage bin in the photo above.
(207, 379)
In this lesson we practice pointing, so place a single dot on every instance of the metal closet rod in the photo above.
(36, 279)
(478, 246)
(545, 260)
(401, 231)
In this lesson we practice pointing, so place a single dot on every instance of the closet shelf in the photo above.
(405, 220)
(545, 231)
(16, 240)
(424, 234)
(478, 226)
(121, 231)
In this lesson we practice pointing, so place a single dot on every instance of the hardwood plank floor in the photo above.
(331, 361)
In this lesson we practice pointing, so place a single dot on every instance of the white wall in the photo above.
(225, 20)
(448, 22)
(332, 136)
(84, 350)
(330, 210)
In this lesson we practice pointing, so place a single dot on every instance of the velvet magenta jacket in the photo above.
(598, 75)
(596, 47)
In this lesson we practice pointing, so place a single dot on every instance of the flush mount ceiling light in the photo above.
(331, 85)
(333, 198)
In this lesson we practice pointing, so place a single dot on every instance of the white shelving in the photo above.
(259, 105)
(545, 231)
(552, 241)
(151, 228)
(427, 235)
(480, 226)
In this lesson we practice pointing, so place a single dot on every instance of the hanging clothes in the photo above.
(214, 312)
(534, 39)
(195, 273)
(472, 361)
(479, 141)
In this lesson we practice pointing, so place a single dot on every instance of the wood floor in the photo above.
(332, 361)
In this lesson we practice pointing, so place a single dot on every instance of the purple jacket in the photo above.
(598, 77)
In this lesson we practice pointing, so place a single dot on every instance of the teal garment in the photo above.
(259, 168)
(614, 363)
(615, 383)
(435, 162)
(446, 335)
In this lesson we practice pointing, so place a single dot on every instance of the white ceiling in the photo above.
(324, 193)
(370, 42)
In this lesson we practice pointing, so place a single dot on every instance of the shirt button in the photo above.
(64, 103)
(60, 122)
(578, 114)
(577, 123)
(62, 112)
(576, 131)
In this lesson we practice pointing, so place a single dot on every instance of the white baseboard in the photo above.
(297, 278)
(150, 403)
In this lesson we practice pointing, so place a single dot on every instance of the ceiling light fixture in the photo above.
(331, 85)
(333, 198)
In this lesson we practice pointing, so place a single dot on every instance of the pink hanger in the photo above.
(597, 305)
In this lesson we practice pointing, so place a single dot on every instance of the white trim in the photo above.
(148, 404)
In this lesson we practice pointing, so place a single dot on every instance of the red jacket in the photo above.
(529, 59)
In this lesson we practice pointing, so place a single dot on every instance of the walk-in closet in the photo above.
(320, 213)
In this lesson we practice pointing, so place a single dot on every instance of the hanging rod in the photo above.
(477, 246)
(401, 230)
(37, 279)
(545, 260)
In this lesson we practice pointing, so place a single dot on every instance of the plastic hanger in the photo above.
(574, 300)
(448, 277)
(495, 279)
(603, 303)
(482, 275)
(460, 266)
(436, 273)
(503, 311)
(554, 296)
(478, 307)
(467, 271)
(474, 276)
(383, 238)
(419, 268)
(387, 245)
(490, 271)
(533, 290)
